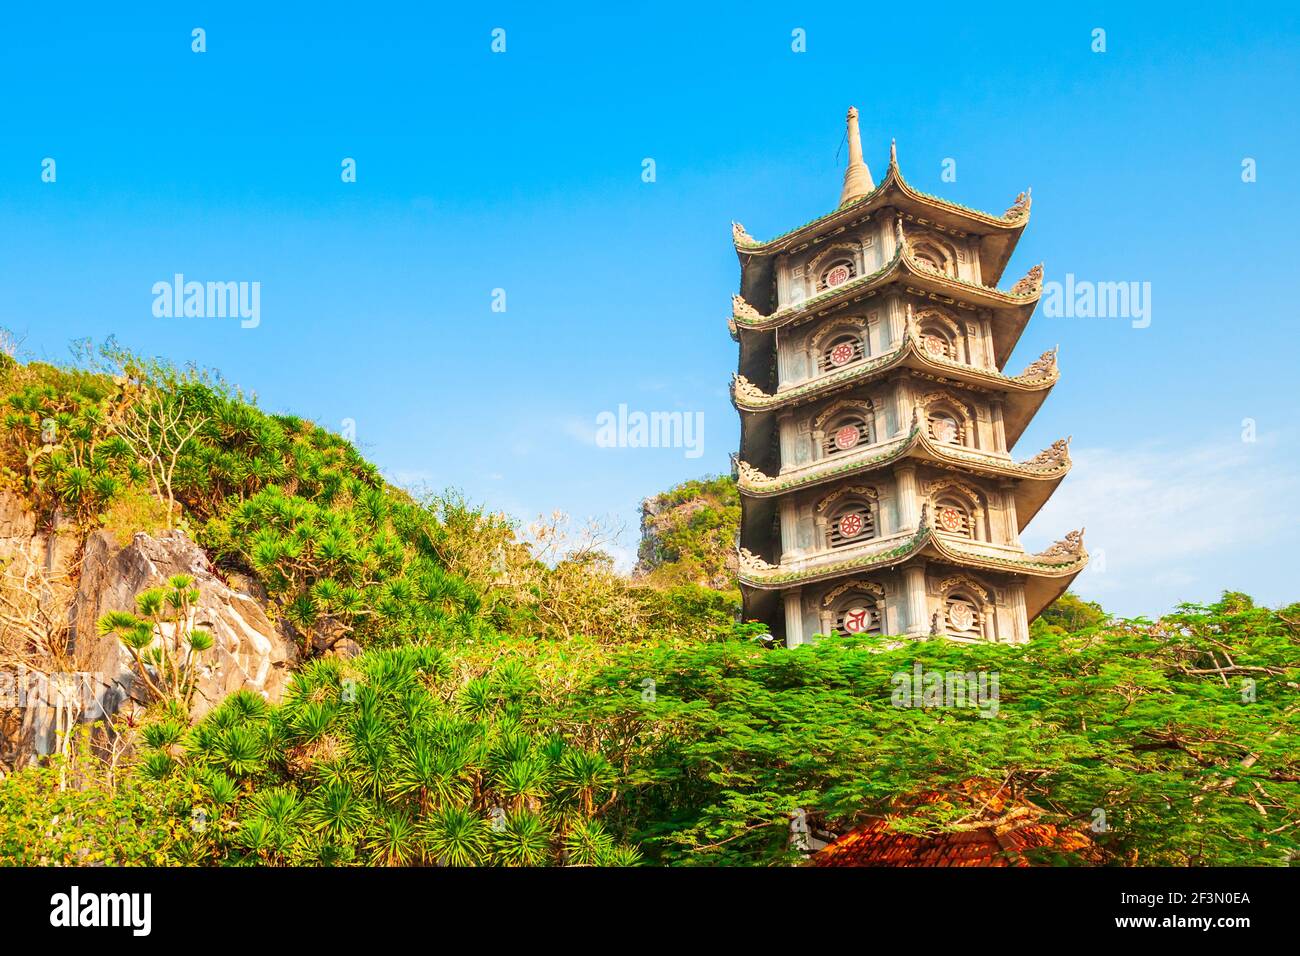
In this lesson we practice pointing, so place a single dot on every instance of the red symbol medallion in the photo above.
(935, 345)
(842, 354)
(950, 519)
(846, 437)
(850, 525)
(837, 276)
(856, 620)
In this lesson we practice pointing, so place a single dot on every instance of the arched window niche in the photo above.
(845, 427)
(965, 610)
(848, 517)
(958, 510)
(854, 607)
(839, 345)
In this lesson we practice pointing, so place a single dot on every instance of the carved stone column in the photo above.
(918, 620)
(793, 599)
(789, 437)
(1009, 514)
(789, 511)
(908, 497)
(999, 425)
(902, 405)
(896, 312)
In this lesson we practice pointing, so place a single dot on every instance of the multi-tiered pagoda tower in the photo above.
(878, 490)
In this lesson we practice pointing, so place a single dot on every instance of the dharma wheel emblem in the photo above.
(837, 276)
(846, 437)
(842, 354)
(960, 616)
(935, 345)
(850, 525)
(856, 620)
(949, 519)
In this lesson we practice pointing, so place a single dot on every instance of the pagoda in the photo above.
(878, 489)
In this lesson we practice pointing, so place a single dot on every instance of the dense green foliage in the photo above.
(396, 760)
(520, 710)
(700, 754)
(84, 815)
(57, 446)
(1067, 614)
(689, 534)
(1156, 726)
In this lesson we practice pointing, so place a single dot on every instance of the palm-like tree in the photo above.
(523, 840)
(583, 775)
(455, 836)
(162, 639)
(395, 839)
(587, 844)
(522, 783)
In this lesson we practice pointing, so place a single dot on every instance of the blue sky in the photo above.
(522, 171)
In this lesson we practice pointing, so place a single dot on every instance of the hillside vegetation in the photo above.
(518, 702)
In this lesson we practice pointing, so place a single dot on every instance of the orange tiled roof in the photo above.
(1011, 838)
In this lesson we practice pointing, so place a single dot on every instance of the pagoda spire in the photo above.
(857, 178)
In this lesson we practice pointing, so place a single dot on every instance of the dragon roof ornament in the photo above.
(751, 562)
(1043, 366)
(741, 309)
(1055, 455)
(1031, 284)
(740, 237)
(1071, 547)
(1020, 208)
(744, 388)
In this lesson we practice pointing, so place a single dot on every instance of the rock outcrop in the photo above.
(688, 535)
(24, 545)
(249, 651)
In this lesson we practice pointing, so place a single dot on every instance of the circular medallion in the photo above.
(846, 437)
(935, 345)
(944, 430)
(850, 525)
(950, 519)
(960, 616)
(857, 620)
(842, 354)
(837, 276)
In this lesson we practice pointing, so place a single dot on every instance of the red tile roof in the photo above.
(996, 834)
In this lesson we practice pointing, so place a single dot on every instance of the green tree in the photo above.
(162, 639)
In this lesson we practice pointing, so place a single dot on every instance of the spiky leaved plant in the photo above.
(162, 639)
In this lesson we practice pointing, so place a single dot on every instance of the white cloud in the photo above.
(581, 430)
(1166, 524)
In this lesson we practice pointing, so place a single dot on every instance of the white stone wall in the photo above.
(879, 321)
(898, 496)
(911, 596)
(802, 430)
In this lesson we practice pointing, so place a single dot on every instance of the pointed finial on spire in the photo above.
(893, 153)
(857, 178)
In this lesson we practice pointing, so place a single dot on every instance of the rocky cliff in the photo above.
(688, 535)
(90, 675)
